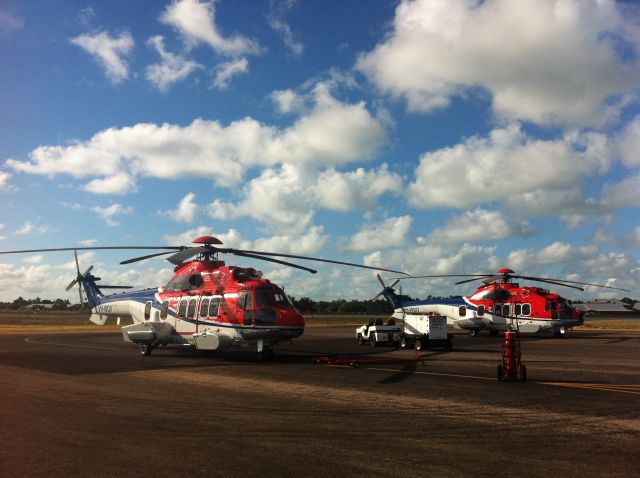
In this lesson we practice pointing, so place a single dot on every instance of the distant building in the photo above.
(38, 307)
(610, 307)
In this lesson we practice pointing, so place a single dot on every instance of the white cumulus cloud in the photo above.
(195, 20)
(298, 162)
(541, 60)
(109, 213)
(478, 225)
(109, 51)
(172, 69)
(224, 72)
(505, 163)
(389, 233)
(186, 210)
(277, 21)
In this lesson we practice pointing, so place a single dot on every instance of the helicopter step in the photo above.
(206, 341)
(147, 333)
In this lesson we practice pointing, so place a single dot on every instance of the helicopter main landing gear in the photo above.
(265, 353)
(146, 349)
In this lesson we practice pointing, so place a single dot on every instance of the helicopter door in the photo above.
(501, 314)
(244, 310)
(186, 322)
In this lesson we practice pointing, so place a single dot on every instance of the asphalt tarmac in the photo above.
(87, 404)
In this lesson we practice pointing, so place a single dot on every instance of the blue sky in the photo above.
(430, 137)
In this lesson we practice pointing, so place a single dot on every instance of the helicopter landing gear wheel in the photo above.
(146, 349)
(372, 341)
(266, 355)
(360, 339)
(473, 332)
(403, 343)
(419, 345)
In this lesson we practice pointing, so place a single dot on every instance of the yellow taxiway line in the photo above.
(33, 340)
(608, 387)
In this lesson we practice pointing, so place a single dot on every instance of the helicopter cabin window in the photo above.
(164, 310)
(191, 310)
(281, 298)
(204, 308)
(213, 307)
(481, 310)
(462, 311)
(245, 300)
(182, 309)
(523, 309)
(502, 309)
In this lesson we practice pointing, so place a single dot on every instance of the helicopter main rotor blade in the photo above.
(149, 256)
(277, 261)
(317, 259)
(548, 281)
(189, 252)
(562, 281)
(96, 248)
(409, 276)
(483, 278)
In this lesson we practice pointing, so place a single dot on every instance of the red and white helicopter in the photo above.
(497, 305)
(207, 304)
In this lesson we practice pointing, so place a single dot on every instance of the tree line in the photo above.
(21, 303)
(305, 305)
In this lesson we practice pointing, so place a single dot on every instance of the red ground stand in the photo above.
(512, 368)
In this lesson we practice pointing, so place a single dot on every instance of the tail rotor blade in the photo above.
(78, 280)
(71, 284)
(75, 255)
(384, 287)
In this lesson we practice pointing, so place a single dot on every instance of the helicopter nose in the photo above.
(290, 318)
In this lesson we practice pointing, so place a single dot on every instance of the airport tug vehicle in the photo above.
(417, 331)
(208, 304)
(377, 333)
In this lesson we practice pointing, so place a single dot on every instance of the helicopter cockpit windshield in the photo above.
(184, 283)
(271, 297)
(492, 294)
